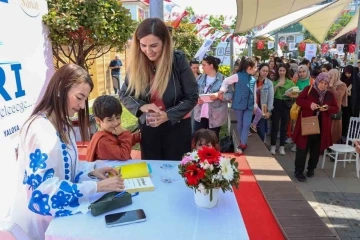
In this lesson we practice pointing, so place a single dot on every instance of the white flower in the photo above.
(194, 155)
(226, 169)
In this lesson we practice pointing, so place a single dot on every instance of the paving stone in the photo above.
(338, 220)
(355, 204)
(344, 233)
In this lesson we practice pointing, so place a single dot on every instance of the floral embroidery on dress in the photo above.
(34, 180)
(60, 200)
(63, 213)
(37, 160)
(39, 203)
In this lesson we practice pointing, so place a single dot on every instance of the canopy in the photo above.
(349, 27)
(319, 23)
(290, 19)
(252, 13)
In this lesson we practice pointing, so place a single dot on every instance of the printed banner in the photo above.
(310, 51)
(25, 66)
(271, 44)
(292, 46)
(340, 48)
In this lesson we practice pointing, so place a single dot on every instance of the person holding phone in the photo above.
(159, 89)
(52, 182)
(320, 102)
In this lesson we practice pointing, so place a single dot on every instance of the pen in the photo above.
(119, 194)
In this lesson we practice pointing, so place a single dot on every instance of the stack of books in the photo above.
(293, 91)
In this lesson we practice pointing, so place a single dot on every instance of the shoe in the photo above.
(250, 134)
(282, 151)
(293, 149)
(253, 128)
(273, 150)
(310, 173)
(300, 176)
(289, 141)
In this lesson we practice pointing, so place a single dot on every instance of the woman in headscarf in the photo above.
(339, 89)
(303, 77)
(318, 102)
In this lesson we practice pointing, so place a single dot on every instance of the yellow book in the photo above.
(136, 177)
(134, 170)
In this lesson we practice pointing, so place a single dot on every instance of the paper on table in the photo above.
(138, 184)
(206, 97)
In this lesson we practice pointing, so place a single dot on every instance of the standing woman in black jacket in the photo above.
(160, 90)
(351, 79)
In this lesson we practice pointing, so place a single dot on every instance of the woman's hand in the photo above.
(314, 106)
(200, 101)
(324, 108)
(218, 95)
(267, 115)
(156, 120)
(150, 108)
(357, 146)
(102, 173)
(112, 184)
(280, 84)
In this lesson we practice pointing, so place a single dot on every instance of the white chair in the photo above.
(348, 148)
(12, 231)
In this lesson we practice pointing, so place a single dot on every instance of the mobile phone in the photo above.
(123, 218)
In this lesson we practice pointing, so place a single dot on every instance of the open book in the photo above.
(136, 177)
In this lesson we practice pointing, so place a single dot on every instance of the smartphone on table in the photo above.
(123, 218)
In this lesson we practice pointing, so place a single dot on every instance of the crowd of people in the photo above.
(166, 94)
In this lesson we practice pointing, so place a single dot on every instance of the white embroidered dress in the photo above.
(51, 180)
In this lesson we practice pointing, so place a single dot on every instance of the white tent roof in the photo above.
(349, 27)
(252, 13)
(319, 23)
(290, 19)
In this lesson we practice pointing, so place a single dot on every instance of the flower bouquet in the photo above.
(206, 171)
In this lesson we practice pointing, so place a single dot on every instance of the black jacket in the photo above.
(180, 96)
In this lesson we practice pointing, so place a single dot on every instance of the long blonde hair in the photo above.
(141, 69)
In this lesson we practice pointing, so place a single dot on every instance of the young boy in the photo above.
(112, 141)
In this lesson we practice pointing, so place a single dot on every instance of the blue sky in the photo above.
(213, 7)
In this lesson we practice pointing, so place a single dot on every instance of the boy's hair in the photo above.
(207, 136)
(106, 106)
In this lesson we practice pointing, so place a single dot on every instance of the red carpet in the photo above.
(259, 220)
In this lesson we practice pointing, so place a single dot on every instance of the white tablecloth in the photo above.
(171, 214)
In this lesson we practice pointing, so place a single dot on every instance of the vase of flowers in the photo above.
(206, 171)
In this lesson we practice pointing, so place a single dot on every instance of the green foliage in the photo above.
(308, 35)
(339, 24)
(263, 53)
(89, 29)
(225, 70)
(185, 39)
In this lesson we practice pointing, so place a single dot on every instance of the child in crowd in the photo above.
(205, 137)
(112, 141)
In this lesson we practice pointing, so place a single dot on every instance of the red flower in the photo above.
(210, 154)
(194, 174)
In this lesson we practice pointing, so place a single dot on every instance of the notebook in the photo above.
(136, 177)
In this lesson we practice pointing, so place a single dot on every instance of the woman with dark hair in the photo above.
(314, 64)
(211, 115)
(52, 182)
(264, 101)
(160, 90)
(325, 67)
(281, 112)
(194, 65)
(244, 98)
(351, 79)
(318, 102)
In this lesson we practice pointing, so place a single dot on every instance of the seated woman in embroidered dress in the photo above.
(51, 180)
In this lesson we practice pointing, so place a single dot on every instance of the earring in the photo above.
(58, 94)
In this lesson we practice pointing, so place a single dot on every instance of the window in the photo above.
(282, 39)
(290, 39)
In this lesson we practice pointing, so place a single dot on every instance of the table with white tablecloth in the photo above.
(170, 211)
